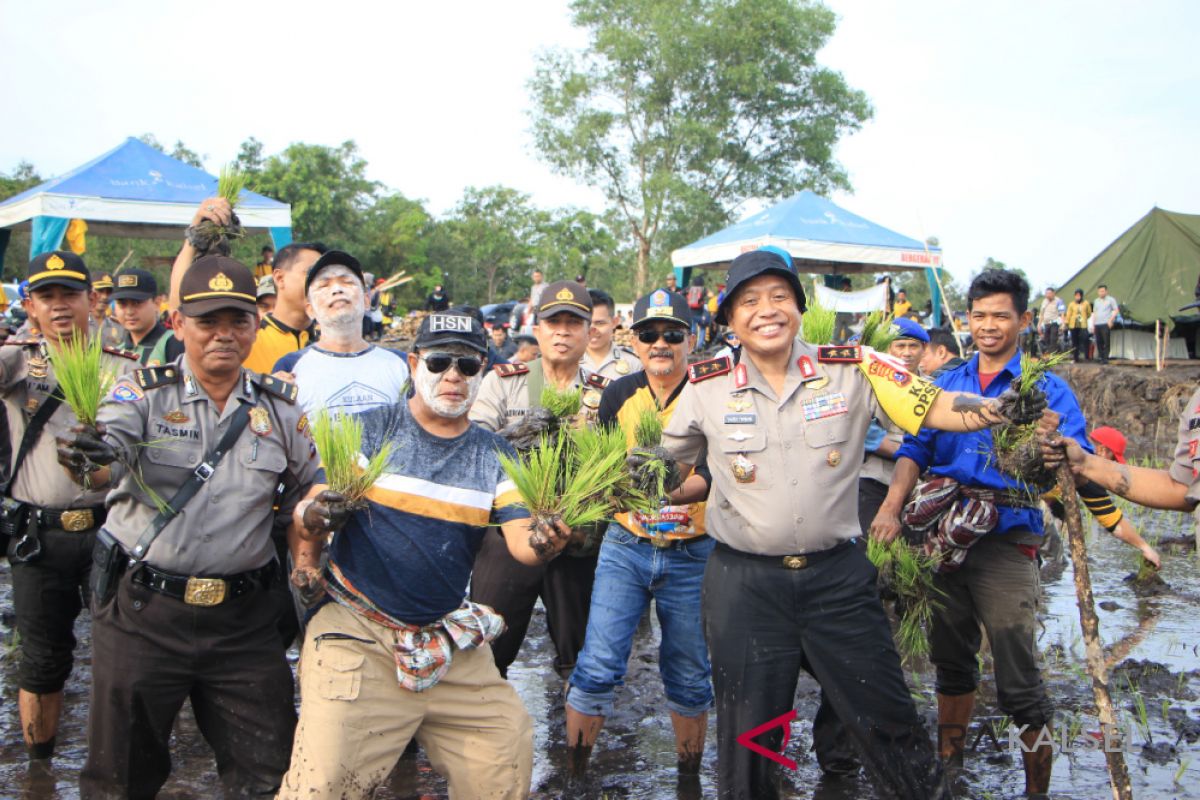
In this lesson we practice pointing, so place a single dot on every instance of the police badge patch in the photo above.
(260, 421)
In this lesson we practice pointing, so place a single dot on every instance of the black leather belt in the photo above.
(73, 520)
(206, 591)
(790, 562)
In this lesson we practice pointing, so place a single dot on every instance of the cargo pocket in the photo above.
(338, 673)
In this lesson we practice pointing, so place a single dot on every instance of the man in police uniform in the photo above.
(193, 615)
(602, 356)
(785, 589)
(51, 519)
(508, 393)
(145, 336)
(111, 333)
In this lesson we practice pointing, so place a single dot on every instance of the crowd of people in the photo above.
(1082, 327)
(194, 517)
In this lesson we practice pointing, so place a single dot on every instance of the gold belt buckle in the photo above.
(795, 562)
(78, 520)
(204, 591)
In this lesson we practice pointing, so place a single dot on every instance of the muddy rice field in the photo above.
(1151, 634)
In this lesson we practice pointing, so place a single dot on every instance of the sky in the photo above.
(1030, 132)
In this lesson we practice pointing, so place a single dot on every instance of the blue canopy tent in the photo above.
(132, 191)
(821, 237)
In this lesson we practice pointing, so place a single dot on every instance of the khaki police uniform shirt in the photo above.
(26, 380)
(167, 430)
(881, 468)
(504, 396)
(617, 363)
(785, 468)
(1186, 467)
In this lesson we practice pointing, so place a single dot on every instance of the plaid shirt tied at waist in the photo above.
(951, 526)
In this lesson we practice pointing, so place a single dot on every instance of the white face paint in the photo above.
(336, 296)
(448, 394)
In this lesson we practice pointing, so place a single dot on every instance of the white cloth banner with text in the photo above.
(873, 299)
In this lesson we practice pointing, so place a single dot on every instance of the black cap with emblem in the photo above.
(59, 268)
(750, 265)
(134, 284)
(664, 305)
(566, 296)
(448, 328)
(215, 282)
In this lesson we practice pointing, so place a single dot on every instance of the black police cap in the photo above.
(59, 268)
(134, 284)
(664, 305)
(750, 265)
(214, 283)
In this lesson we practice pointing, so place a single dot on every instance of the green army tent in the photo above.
(1152, 271)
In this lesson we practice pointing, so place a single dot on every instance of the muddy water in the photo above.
(635, 755)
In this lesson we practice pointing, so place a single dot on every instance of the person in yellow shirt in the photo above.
(902, 307)
(266, 264)
(1079, 311)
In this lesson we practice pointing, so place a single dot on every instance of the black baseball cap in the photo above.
(750, 265)
(332, 258)
(102, 280)
(664, 305)
(134, 284)
(566, 296)
(215, 282)
(451, 328)
(59, 268)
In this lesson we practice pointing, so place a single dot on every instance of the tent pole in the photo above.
(945, 303)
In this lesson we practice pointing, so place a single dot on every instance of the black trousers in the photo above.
(48, 594)
(512, 588)
(150, 653)
(1102, 338)
(764, 623)
(1079, 343)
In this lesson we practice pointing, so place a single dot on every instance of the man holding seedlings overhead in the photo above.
(785, 589)
(510, 397)
(184, 575)
(47, 521)
(645, 557)
(988, 525)
(395, 652)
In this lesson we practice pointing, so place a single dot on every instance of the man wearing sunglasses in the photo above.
(508, 394)
(395, 652)
(659, 557)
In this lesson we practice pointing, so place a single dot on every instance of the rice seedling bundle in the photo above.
(909, 572)
(1015, 447)
(82, 376)
(817, 324)
(348, 471)
(210, 238)
(878, 331)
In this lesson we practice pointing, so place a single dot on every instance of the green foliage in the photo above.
(817, 324)
(82, 375)
(230, 183)
(680, 111)
(909, 572)
(878, 332)
(486, 246)
(649, 429)
(338, 438)
(562, 404)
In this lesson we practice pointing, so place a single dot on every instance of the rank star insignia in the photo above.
(260, 421)
(37, 367)
(177, 416)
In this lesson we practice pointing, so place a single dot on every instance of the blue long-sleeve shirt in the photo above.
(965, 457)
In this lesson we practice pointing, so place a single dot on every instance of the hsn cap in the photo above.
(450, 328)
(215, 282)
(664, 305)
(59, 268)
(750, 265)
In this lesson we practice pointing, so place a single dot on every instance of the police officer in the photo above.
(182, 603)
(507, 394)
(602, 356)
(784, 588)
(51, 519)
(137, 312)
(102, 290)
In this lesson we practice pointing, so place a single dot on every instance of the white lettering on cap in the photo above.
(449, 322)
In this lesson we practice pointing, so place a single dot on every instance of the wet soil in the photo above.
(1151, 642)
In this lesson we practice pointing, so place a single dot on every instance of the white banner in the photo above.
(873, 299)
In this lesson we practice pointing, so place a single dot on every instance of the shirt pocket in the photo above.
(829, 442)
(743, 447)
(173, 452)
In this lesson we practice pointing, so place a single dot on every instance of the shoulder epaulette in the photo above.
(280, 388)
(840, 354)
(22, 342)
(152, 377)
(509, 370)
(703, 370)
(596, 381)
(112, 351)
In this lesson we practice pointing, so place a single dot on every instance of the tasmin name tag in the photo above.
(741, 419)
(823, 405)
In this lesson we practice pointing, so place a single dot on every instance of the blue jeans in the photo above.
(629, 573)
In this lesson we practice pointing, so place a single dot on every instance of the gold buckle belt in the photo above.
(205, 591)
(78, 520)
(795, 562)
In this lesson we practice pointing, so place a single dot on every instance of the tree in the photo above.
(250, 157)
(577, 242)
(678, 105)
(487, 244)
(327, 188)
(24, 176)
(180, 151)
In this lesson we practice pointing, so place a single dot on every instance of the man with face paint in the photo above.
(395, 652)
(509, 392)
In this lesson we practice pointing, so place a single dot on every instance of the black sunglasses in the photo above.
(670, 336)
(468, 366)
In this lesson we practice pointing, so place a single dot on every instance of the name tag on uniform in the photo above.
(824, 405)
(741, 419)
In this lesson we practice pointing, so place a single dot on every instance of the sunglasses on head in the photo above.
(670, 336)
(468, 366)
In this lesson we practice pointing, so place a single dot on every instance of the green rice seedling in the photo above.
(562, 404)
(538, 476)
(230, 183)
(1033, 369)
(649, 429)
(1139, 709)
(82, 375)
(1165, 709)
(910, 574)
(878, 332)
(348, 471)
(1183, 766)
(208, 237)
(598, 481)
(817, 324)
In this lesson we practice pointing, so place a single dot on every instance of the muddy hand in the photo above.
(640, 463)
(885, 527)
(526, 432)
(1021, 409)
(327, 512)
(1058, 449)
(309, 583)
(87, 451)
(548, 540)
(216, 210)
